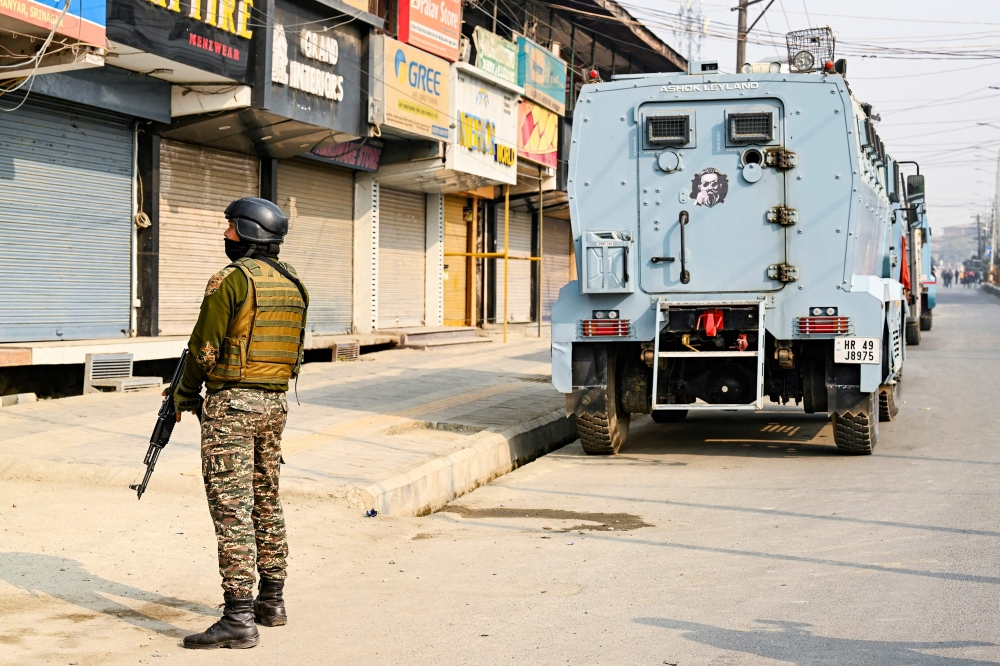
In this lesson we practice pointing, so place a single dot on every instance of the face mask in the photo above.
(236, 249)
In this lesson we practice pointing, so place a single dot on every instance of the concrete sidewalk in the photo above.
(401, 431)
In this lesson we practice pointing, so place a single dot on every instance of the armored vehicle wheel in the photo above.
(913, 333)
(669, 415)
(603, 431)
(855, 431)
(926, 320)
(888, 401)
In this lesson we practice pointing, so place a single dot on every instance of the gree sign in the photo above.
(414, 87)
(432, 25)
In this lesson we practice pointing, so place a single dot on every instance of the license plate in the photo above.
(857, 350)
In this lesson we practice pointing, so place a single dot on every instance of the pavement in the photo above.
(401, 431)
(727, 540)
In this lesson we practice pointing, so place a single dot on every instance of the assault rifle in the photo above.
(166, 419)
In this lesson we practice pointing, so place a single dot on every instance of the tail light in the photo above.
(605, 327)
(822, 325)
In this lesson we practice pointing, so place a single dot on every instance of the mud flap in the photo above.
(590, 378)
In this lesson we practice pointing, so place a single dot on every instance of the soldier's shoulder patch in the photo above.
(216, 280)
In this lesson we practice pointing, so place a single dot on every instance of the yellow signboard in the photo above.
(415, 89)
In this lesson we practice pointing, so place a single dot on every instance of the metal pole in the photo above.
(506, 255)
(495, 16)
(741, 36)
(541, 239)
(472, 244)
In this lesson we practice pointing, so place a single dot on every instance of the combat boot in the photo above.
(235, 629)
(269, 606)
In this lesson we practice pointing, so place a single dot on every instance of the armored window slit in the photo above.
(667, 130)
(751, 127)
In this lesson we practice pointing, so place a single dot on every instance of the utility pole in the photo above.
(741, 35)
(742, 30)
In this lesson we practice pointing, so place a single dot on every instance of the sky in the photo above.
(926, 66)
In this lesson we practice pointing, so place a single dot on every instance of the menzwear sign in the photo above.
(211, 35)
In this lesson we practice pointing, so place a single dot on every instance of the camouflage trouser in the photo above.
(240, 453)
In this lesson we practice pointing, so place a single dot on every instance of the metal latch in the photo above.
(786, 217)
(779, 158)
(783, 272)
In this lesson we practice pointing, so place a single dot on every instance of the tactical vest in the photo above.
(265, 338)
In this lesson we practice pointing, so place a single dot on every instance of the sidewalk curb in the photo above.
(431, 485)
(990, 288)
(416, 492)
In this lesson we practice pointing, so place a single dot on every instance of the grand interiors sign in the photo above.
(315, 68)
(212, 35)
(301, 76)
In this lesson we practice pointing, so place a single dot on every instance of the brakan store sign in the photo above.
(211, 35)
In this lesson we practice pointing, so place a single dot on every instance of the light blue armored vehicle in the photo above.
(734, 241)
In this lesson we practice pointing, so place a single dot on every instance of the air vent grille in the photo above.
(667, 130)
(750, 127)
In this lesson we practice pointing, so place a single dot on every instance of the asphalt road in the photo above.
(728, 539)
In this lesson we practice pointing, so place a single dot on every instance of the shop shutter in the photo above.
(456, 239)
(555, 263)
(196, 185)
(65, 222)
(319, 203)
(519, 301)
(401, 257)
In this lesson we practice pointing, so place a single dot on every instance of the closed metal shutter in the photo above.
(456, 239)
(196, 185)
(519, 301)
(402, 248)
(319, 203)
(555, 263)
(65, 222)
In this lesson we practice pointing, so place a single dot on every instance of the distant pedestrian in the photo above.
(248, 343)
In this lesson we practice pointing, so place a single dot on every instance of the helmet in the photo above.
(257, 220)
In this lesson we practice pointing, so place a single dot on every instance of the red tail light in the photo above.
(599, 327)
(822, 325)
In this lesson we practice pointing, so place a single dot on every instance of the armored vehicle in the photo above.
(921, 288)
(734, 242)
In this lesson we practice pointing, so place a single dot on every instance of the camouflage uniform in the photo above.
(241, 443)
(240, 453)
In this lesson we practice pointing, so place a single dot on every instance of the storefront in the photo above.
(66, 221)
(196, 185)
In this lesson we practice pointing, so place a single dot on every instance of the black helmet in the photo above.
(258, 220)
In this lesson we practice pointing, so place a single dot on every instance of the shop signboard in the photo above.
(542, 75)
(315, 68)
(495, 55)
(485, 112)
(432, 25)
(361, 155)
(410, 90)
(537, 134)
(84, 20)
(212, 35)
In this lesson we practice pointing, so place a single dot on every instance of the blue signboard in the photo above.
(542, 75)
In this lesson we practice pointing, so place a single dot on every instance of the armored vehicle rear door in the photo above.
(721, 163)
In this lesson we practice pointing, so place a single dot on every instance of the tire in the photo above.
(602, 433)
(669, 415)
(913, 333)
(855, 432)
(926, 320)
(888, 401)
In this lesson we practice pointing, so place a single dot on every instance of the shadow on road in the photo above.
(795, 643)
(68, 581)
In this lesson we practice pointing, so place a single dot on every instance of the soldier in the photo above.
(247, 344)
